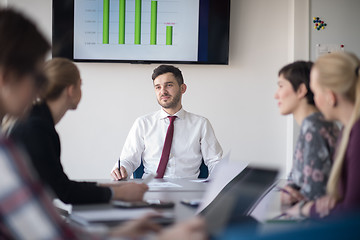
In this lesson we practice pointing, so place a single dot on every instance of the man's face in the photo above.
(167, 90)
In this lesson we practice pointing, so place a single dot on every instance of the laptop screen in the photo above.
(239, 197)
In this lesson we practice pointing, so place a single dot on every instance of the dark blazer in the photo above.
(39, 138)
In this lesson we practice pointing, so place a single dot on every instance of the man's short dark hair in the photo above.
(22, 46)
(162, 69)
(297, 73)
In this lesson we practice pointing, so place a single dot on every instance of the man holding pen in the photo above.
(170, 142)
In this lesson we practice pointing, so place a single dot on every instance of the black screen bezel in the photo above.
(216, 29)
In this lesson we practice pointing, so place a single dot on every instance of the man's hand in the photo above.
(118, 175)
(130, 192)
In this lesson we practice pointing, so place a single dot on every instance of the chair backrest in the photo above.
(139, 172)
(204, 171)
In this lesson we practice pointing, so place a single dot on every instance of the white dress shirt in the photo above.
(193, 140)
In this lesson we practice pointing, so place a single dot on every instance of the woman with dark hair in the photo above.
(313, 155)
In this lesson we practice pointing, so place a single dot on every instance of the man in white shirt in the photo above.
(193, 136)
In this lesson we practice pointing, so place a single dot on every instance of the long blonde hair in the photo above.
(60, 73)
(339, 72)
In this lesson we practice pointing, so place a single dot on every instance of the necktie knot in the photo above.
(172, 118)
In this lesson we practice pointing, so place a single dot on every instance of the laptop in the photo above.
(240, 196)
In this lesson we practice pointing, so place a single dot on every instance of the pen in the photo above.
(119, 168)
(283, 190)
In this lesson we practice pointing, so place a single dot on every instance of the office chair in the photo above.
(204, 171)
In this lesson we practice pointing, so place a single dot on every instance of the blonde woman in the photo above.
(39, 137)
(335, 82)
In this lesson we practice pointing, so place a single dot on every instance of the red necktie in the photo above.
(166, 150)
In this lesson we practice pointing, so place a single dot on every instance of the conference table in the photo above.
(189, 190)
(176, 190)
(170, 190)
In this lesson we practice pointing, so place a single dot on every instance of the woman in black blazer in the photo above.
(38, 136)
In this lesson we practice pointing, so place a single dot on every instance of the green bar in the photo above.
(169, 35)
(137, 39)
(106, 9)
(121, 21)
(153, 29)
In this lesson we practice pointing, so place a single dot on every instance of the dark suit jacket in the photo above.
(39, 138)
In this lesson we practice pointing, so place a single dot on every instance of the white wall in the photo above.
(298, 38)
(237, 99)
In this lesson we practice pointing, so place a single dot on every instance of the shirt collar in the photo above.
(180, 114)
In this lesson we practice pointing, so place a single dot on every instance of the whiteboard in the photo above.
(343, 25)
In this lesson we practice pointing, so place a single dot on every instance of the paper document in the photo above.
(62, 206)
(219, 180)
(270, 201)
(224, 160)
(200, 180)
(153, 185)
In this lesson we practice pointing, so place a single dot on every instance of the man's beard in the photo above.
(173, 103)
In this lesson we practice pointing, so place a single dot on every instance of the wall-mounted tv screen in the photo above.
(142, 31)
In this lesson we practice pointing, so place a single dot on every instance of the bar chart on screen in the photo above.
(138, 29)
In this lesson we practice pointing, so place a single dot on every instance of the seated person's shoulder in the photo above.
(35, 123)
(196, 117)
(356, 126)
(146, 119)
(31, 127)
(317, 121)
